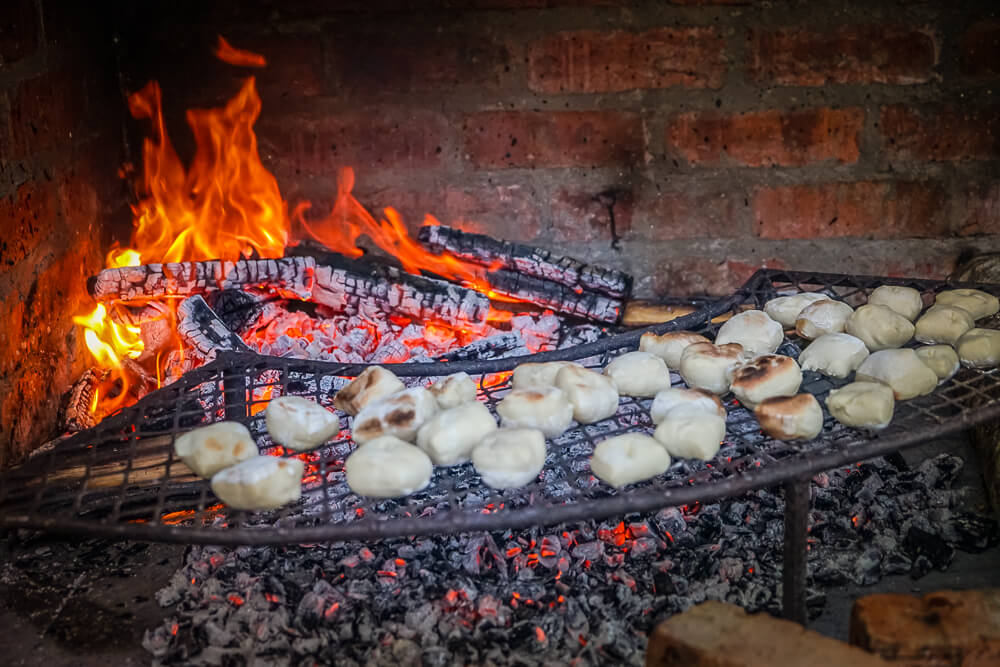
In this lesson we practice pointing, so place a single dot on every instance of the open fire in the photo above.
(204, 230)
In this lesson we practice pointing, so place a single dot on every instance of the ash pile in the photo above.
(581, 594)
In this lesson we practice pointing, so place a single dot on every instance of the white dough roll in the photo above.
(862, 405)
(943, 324)
(373, 384)
(670, 346)
(453, 390)
(300, 424)
(900, 369)
(880, 327)
(754, 330)
(904, 300)
(510, 458)
(821, 318)
(639, 374)
(796, 417)
(711, 367)
(546, 409)
(691, 435)
(209, 449)
(942, 359)
(976, 302)
(400, 415)
(538, 375)
(685, 400)
(388, 467)
(837, 355)
(979, 348)
(451, 435)
(627, 459)
(764, 377)
(594, 396)
(260, 483)
(785, 310)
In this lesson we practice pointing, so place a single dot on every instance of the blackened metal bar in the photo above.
(234, 391)
(794, 566)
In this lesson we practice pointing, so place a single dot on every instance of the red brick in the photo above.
(27, 218)
(553, 139)
(947, 135)
(944, 628)
(767, 138)
(18, 30)
(981, 50)
(584, 215)
(706, 276)
(977, 210)
(44, 112)
(411, 60)
(597, 62)
(665, 217)
(879, 210)
(850, 54)
(319, 144)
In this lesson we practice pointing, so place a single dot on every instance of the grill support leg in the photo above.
(234, 392)
(794, 567)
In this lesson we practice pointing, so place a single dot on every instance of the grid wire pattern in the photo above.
(123, 479)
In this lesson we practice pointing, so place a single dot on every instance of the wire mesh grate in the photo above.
(122, 478)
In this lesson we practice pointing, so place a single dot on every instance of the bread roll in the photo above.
(593, 396)
(545, 408)
(710, 367)
(977, 303)
(449, 436)
(685, 400)
(862, 404)
(821, 318)
(904, 300)
(627, 459)
(400, 415)
(453, 390)
(260, 483)
(942, 359)
(510, 457)
(880, 327)
(300, 424)
(764, 377)
(638, 374)
(387, 467)
(670, 346)
(534, 376)
(754, 330)
(796, 417)
(374, 383)
(943, 324)
(785, 309)
(979, 348)
(900, 369)
(691, 435)
(837, 355)
(209, 449)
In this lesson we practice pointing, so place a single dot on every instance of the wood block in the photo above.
(716, 634)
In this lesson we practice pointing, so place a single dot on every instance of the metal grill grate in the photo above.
(122, 479)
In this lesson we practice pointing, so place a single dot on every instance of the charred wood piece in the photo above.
(201, 328)
(496, 254)
(289, 276)
(242, 311)
(76, 413)
(560, 298)
(491, 347)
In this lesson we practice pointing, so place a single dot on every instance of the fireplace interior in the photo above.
(284, 178)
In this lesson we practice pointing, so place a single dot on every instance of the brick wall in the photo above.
(839, 136)
(60, 129)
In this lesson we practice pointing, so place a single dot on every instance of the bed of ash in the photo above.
(582, 594)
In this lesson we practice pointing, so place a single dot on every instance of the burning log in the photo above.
(491, 347)
(560, 298)
(201, 328)
(77, 415)
(289, 276)
(527, 260)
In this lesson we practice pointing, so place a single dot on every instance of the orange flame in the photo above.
(109, 343)
(239, 57)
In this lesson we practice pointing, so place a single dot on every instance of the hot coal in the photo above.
(587, 592)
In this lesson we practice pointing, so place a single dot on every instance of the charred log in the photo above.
(560, 298)
(77, 415)
(288, 276)
(201, 328)
(535, 262)
(491, 347)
